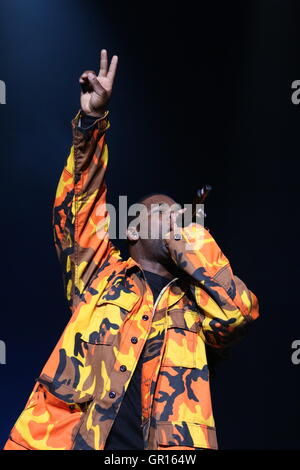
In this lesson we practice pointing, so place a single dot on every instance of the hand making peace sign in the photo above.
(96, 89)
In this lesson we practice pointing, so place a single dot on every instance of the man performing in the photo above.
(130, 369)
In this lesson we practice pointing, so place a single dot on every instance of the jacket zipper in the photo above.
(161, 294)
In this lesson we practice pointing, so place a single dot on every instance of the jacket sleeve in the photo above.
(80, 216)
(225, 301)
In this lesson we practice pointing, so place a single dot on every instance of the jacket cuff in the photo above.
(196, 252)
(85, 123)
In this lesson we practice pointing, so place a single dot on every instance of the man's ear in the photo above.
(132, 234)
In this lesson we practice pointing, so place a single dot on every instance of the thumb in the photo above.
(95, 84)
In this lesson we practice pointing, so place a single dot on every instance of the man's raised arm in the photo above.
(80, 217)
(225, 301)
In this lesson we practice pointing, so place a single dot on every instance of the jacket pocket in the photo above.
(107, 319)
(183, 435)
(181, 339)
(47, 422)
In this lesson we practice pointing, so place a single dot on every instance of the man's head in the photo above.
(148, 225)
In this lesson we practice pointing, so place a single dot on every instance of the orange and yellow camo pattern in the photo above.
(79, 391)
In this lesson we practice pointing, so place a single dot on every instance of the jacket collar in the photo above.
(176, 290)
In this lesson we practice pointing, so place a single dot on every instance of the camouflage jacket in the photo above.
(77, 396)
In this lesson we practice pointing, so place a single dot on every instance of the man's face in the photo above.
(155, 223)
(159, 211)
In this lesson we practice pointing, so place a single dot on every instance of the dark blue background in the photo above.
(201, 96)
